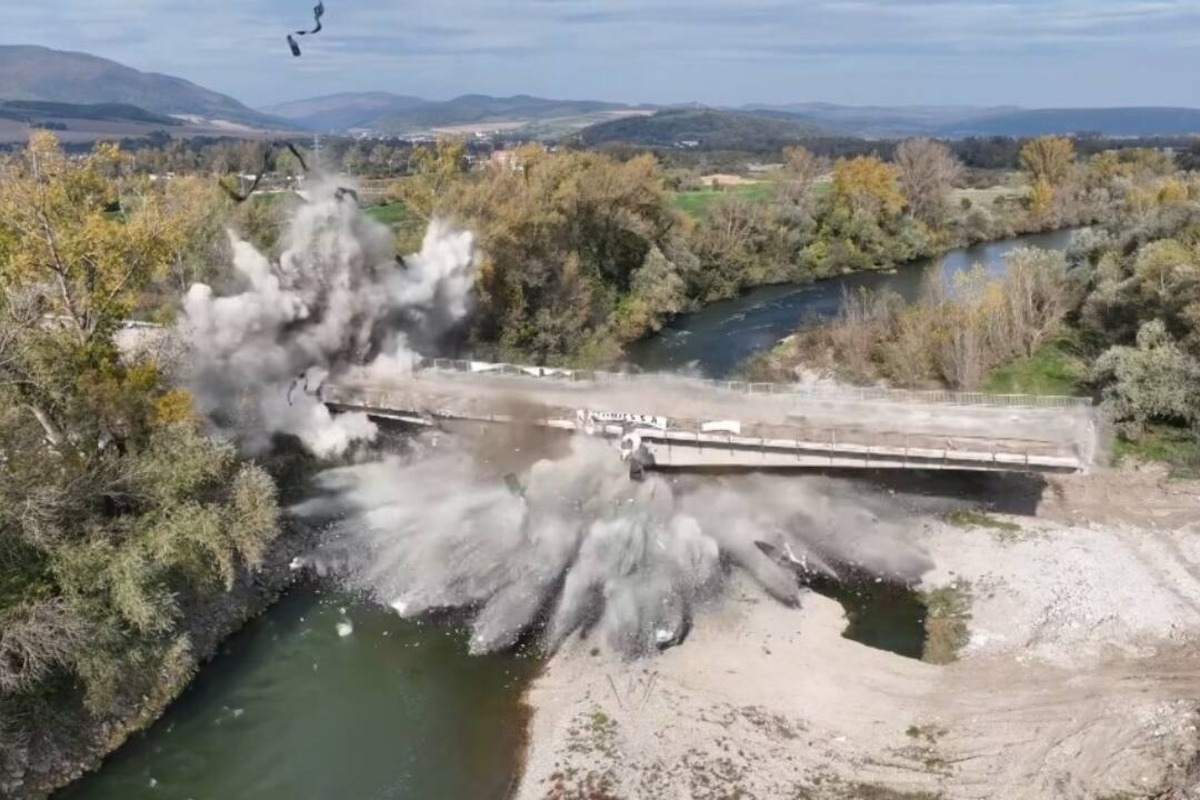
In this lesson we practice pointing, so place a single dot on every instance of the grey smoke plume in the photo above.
(336, 299)
(579, 547)
(583, 546)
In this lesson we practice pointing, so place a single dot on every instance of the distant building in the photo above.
(504, 158)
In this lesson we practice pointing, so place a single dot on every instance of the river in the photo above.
(292, 710)
(718, 338)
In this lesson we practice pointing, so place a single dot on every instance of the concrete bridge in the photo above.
(684, 423)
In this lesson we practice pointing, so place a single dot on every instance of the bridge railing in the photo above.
(828, 393)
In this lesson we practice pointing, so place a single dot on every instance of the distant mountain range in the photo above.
(1148, 121)
(345, 111)
(82, 87)
(385, 113)
(961, 121)
(58, 76)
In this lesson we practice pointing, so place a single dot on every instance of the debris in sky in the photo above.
(318, 12)
(239, 197)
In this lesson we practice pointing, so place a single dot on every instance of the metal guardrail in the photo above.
(831, 393)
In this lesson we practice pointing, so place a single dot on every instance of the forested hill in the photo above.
(36, 111)
(345, 110)
(28, 72)
(707, 128)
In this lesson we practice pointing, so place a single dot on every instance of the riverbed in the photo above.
(385, 709)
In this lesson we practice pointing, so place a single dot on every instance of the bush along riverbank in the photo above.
(131, 542)
(1118, 316)
(74, 742)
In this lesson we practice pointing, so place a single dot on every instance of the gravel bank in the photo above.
(1080, 679)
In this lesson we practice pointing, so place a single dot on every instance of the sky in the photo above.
(1032, 53)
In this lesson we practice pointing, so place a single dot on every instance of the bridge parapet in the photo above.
(800, 391)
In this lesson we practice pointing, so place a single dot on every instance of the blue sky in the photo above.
(887, 52)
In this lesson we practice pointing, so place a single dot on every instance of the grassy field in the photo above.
(1052, 369)
(1178, 448)
(392, 214)
(697, 203)
(986, 197)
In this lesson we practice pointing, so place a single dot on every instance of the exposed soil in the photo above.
(1080, 677)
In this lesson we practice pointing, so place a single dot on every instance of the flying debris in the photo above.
(318, 12)
(514, 485)
(266, 166)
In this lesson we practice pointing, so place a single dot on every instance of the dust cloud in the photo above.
(581, 547)
(336, 299)
(560, 544)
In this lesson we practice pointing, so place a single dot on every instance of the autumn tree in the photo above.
(434, 171)
(800, 172)
(1048, 159)
(116, 512)
(867, 186)
(927, 172)
(565, 239)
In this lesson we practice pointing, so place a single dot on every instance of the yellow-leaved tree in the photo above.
(867, 186)
(116, 511)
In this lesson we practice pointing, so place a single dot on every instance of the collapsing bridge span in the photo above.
(682, 423)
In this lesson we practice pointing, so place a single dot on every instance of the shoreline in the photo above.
(1079, 678)
(56, 761)
(700, 306)
(635, 354)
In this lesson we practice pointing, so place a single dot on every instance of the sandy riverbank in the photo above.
(1081, 678)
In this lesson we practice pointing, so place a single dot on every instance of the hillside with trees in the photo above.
(59, 76)
(707, 128)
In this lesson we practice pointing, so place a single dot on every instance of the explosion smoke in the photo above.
(578, 546)
(337, 298)
(584, 546)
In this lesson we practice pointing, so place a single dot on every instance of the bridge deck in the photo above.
(772, 426)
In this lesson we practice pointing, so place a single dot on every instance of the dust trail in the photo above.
(338, 297)
(583, 546)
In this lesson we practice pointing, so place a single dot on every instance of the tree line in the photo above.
(585, 253)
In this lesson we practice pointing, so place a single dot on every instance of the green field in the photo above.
(1052, 369)
(392, 214)
(697, 203)
(1178, 448)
